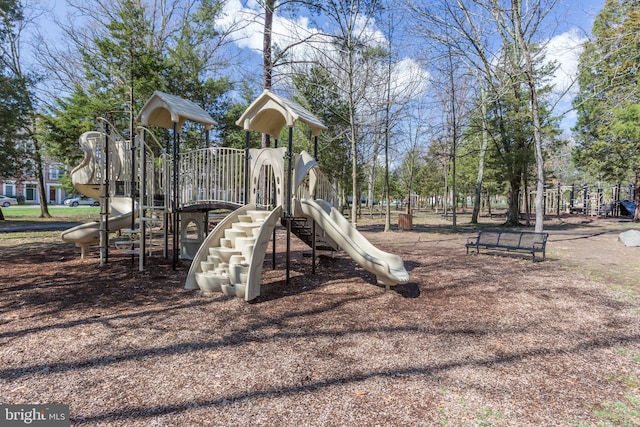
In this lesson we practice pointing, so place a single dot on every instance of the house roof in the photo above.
(269, 113)
(163, 110)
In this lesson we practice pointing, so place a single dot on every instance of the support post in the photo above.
(289, 195)
(176, 223)
(104, 202)
(559, 199)
(142, 201)
(132, 140)
(275, 198)
(313, 223)
(246, 168)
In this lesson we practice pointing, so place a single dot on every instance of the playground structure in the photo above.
(585, 200)
(144, 187)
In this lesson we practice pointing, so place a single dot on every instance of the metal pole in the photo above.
(313, 223)
(101, 167)
(288, 214)
(105, 231)
(142, 200)
(246, 168)
(167, 182)
(133, 158)
(176, 163)
(273, 253)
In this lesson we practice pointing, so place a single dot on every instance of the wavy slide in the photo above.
(388, 268)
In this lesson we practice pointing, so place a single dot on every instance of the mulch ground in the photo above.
(470, 340)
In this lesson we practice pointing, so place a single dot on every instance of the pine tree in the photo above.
(608, 142)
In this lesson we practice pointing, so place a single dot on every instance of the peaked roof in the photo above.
(269, 113)
(163, 110)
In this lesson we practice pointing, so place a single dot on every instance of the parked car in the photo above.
(82, 200)
(6, 201)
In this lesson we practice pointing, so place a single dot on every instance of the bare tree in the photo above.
(515, 24)
(525, 23)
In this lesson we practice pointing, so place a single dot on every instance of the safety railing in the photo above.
(211, 175)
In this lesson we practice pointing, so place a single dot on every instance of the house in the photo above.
(25, 188)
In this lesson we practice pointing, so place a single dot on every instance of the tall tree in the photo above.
(349, 24)
(12, 27)
(130, 49)
(273, 54)
(13, 114)
(608, 99)
(497, 37)
(320, 92)
(525, 18)
(395, 93)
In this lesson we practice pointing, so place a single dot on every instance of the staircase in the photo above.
(130, 240)
(303, 229)
(229, 257)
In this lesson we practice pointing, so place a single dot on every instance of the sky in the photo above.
(570, 27)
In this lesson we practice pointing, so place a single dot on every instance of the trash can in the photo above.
(405, 222)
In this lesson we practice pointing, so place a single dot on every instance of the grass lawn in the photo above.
(28, 214)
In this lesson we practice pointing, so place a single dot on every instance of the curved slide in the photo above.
(89, 233)
(84, 180)
(388, 268)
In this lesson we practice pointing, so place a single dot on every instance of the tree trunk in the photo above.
(44, 208)
(483, 152)
(535, 117)
(371, 181)
(513, 210)
(267, 60)
(387, 204)
(527, 205)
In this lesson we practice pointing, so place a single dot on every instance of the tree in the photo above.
(12, 112)
(497, 39)
(394, 98)
(20, 85)
(131, 48)
(525, 19)
(319, 91)
(608, 98)
(274, 55)
(349, 22)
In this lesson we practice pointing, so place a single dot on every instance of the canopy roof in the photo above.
(163, 110)
(269, 113)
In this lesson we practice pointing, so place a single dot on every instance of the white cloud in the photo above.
(244, 23)
(564, 49)
(299, 37)
(247, 26)
(409, 76)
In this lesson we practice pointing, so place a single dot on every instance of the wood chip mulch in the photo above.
(470, 340)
